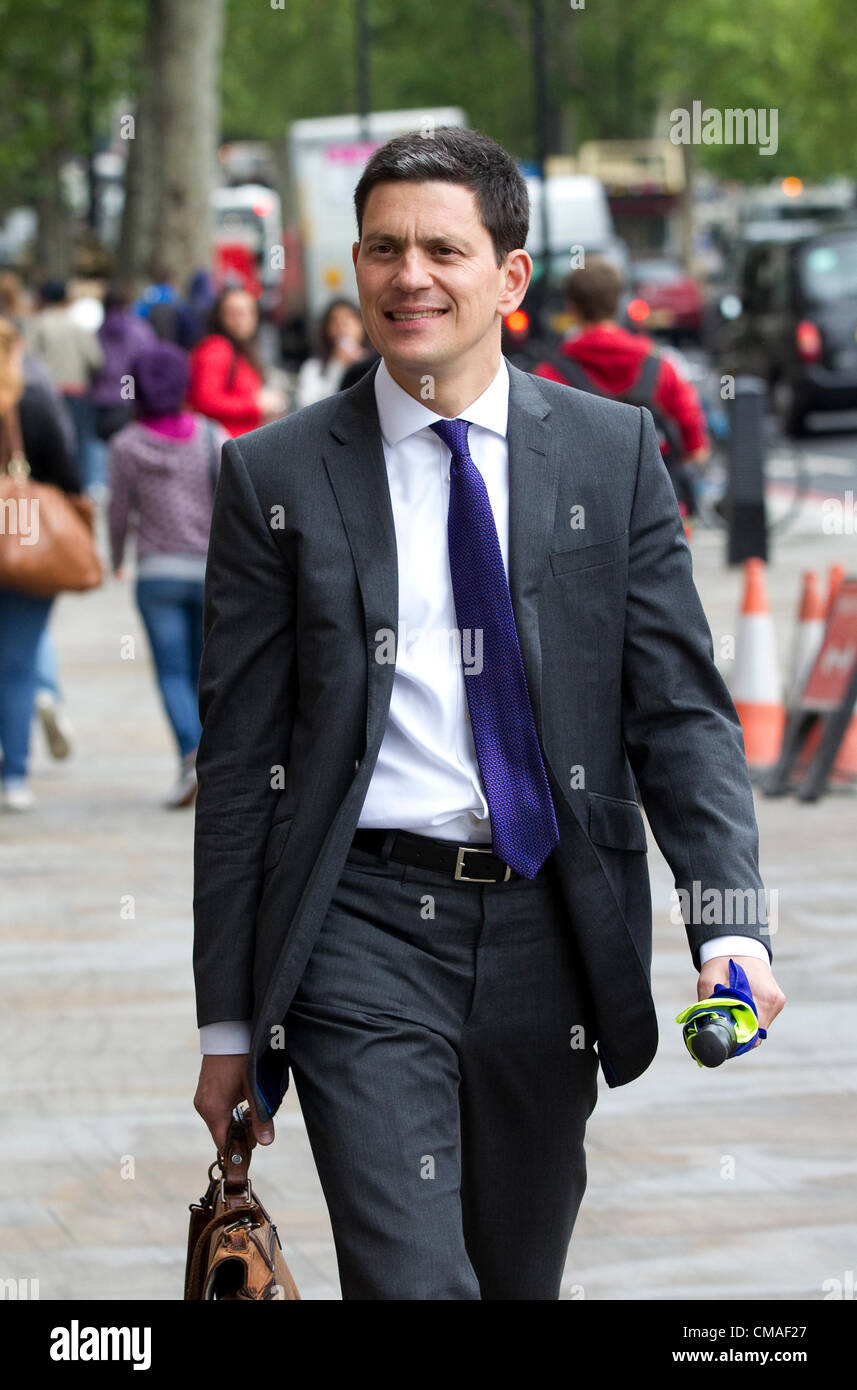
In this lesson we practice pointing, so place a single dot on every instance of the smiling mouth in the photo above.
(405, 316)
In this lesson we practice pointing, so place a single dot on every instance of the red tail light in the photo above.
(638, 311)
(808, 341)
(518, 321)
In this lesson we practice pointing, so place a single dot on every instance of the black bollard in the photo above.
(745, 502)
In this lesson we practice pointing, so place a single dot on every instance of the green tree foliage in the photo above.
(62, 64)
(615, 69)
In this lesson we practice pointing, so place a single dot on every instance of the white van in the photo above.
(579, 220)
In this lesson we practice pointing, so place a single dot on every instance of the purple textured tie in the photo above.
(523, 820)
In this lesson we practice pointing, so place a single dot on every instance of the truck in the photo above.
(326, 157)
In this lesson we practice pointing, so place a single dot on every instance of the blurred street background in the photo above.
(181, 173)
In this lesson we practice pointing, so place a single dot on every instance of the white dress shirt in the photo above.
(426, 778)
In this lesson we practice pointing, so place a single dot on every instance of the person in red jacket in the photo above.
(227, 381)
(613, 358)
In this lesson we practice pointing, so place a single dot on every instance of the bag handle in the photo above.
(235, 1160)
(13, 460)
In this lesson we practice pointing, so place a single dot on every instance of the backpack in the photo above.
(642, 393)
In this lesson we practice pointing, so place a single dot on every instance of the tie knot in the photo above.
(454, 435)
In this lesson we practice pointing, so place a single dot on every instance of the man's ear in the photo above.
(354, 253)
(518, 272)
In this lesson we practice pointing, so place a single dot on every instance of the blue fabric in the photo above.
(23, 619)
(523, 819)
(47, 666)
(172, 612)
(739, 988)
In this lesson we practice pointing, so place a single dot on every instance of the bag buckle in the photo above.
(246, 1221)
(248, 1195)
(467, 878)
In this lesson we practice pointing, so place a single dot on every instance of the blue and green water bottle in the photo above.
(723, 1026)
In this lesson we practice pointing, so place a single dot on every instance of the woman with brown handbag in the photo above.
(26, 410)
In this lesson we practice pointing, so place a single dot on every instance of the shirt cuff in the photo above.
(225, 1039)
(733, 946)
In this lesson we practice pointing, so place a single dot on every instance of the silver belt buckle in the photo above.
(465, 878)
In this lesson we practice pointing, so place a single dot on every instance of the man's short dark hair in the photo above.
(451, 154)
(594, 290)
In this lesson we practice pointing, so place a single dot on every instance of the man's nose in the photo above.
(412, 271)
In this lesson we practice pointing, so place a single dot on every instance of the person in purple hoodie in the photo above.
(163, 468)
(123, 335)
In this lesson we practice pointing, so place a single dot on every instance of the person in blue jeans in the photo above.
(24, 616)
(163, 468)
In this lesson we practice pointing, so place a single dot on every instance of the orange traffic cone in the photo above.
(808, 635)
(835, 576)
(756, 688)
(844, 770)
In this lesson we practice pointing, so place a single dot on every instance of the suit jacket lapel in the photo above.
(354, 459)
(533, 481)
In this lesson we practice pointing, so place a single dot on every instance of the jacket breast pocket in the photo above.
(616, 823)
(277, 837)
(587, 557)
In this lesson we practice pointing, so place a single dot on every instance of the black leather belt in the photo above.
(467, 863)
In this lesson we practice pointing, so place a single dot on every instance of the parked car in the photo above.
(792, 319)
(664, 299)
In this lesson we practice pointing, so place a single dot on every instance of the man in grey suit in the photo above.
(449, 619)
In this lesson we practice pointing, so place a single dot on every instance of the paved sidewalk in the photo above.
(736, 1184)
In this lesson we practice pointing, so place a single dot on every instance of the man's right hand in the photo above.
(223, 1084)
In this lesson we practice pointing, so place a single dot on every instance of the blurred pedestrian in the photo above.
(603, 358)
(162, 307)
(342, 344)
(23, 616)
(15, 304)
(198, 303)
(123, 335)
(227, 372)
(163, 468)
(72, 355)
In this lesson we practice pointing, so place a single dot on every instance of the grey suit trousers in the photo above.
(442, 1047)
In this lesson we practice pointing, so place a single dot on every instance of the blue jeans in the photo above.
(91, 454)
(172, 612)
(47, 667)
(23, 620)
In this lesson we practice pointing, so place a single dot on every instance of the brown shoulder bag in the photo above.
(233, 1250)
(47, 544)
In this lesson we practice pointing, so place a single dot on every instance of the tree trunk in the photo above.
(189, 120)
(166, 220)
(142, 171)
(53, 248)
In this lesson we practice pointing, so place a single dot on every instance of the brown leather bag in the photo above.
(47, 542)
(233, 1250)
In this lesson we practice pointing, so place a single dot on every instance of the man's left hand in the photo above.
(767, 994)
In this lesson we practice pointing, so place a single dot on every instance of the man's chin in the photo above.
(416, 358)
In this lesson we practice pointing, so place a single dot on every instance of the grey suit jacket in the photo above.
(302, 582)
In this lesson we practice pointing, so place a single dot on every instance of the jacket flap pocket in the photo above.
(616, 823)
(587, 556)
(277, 836)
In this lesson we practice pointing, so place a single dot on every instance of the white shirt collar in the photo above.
(400, 415)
